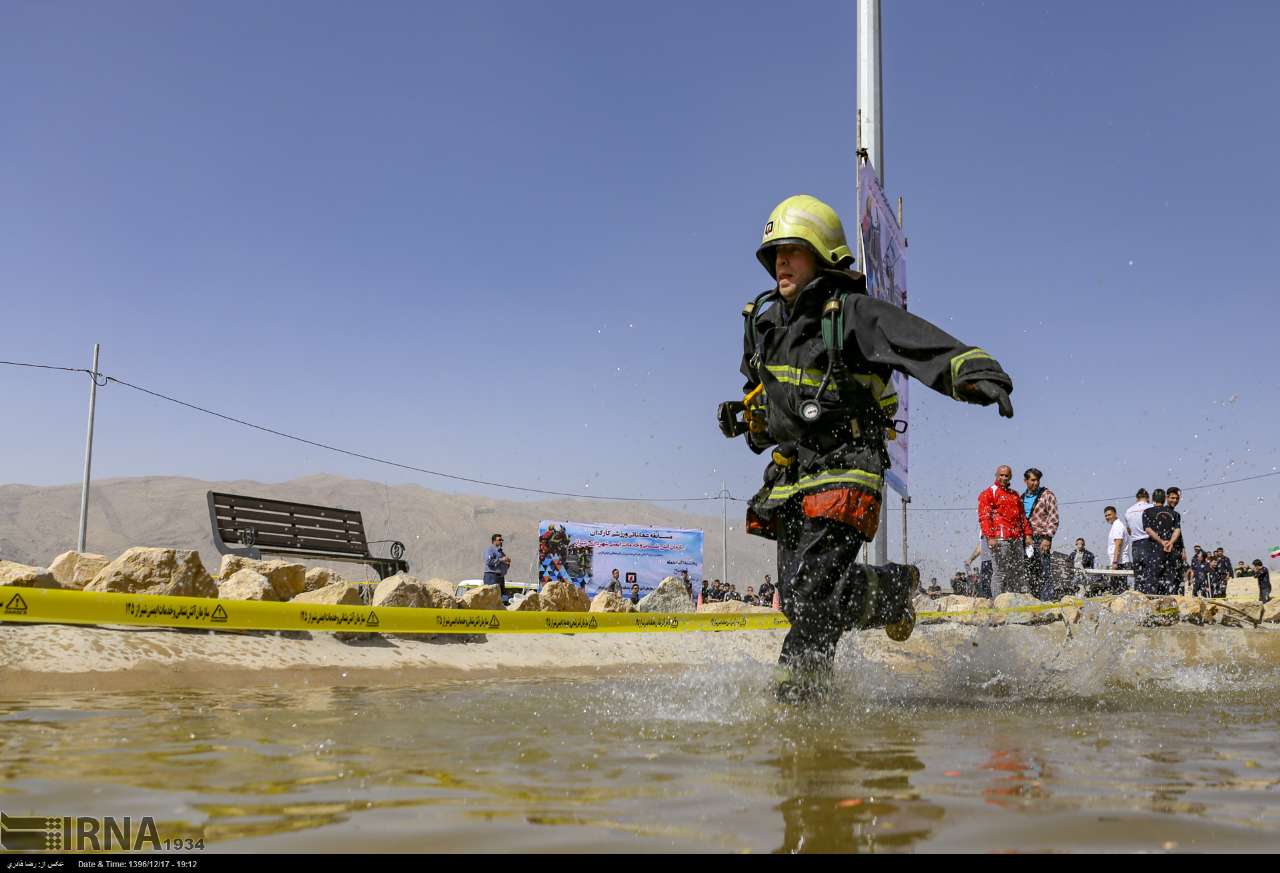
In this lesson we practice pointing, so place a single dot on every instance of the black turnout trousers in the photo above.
(825, 591)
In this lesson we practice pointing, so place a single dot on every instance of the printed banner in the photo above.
(587, 554)
(884, 260)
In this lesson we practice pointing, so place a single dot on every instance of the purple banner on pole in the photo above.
(884, 260)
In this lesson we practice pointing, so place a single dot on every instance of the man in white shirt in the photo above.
(1141, 549)
(1119, 553)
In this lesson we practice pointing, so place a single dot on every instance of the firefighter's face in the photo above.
(795, 267)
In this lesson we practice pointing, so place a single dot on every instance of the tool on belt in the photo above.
(752, 409)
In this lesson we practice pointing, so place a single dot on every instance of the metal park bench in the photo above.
(254, 526)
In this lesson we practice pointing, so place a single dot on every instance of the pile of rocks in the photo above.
(180, 572)
(1141, 608)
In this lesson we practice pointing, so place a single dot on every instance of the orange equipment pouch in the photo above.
(760, 527)
(858, 509)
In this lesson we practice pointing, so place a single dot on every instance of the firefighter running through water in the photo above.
(818, 356)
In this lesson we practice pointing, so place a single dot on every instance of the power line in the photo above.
(108, 379)
(45, 367)
(1199, 487)
(104, 379)
(397, 464)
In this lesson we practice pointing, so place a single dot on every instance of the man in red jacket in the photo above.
(1005, 525)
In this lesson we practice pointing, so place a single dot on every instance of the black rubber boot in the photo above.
(807, 662)
(803, 681)
(900, 627)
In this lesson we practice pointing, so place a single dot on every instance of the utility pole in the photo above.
(88, 452)
(724, 532)
(905, 501)
(870, 114)
(870, 92)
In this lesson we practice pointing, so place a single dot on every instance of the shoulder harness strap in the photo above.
(833, 326)
(751, 313)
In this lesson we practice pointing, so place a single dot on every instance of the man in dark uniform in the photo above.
(1264, 580)
(1219, 573)
(818, 358)
(1200, 574)
(1164, 525)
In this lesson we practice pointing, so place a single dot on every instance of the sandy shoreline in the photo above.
(64, 657)
(48, 657)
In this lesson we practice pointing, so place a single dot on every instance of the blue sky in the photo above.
(512, 241)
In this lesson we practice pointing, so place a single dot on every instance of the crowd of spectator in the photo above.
(716, 591)
(1145, 548)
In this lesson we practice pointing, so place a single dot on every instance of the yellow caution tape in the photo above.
(152, 610)
(58, 606)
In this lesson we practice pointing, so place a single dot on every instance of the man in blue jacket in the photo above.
(496, 564)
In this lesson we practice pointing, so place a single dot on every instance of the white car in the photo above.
(514, 589)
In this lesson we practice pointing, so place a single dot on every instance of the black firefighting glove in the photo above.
(986, 392)
(758, 441)
(727, 415)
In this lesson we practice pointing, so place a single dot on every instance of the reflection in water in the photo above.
(858, 800)
(1018, 781)
(703, 761)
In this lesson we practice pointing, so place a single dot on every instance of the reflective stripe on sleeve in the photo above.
(959, 360)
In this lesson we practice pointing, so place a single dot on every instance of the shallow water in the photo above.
(999, 750)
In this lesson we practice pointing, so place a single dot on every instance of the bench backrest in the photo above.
(283, 527)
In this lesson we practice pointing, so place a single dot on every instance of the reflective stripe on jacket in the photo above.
(844, 447)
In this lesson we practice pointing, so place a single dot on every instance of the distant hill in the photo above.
(444, 534)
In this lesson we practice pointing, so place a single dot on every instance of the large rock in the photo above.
(1071, 610)
(923, 603)
(528, 603)
(1147, 610)
(246, 584)
(1024, 609)
(77, 569)
(321, 577)
(438, 594)
(1271, 610)
(1243, 588)
(1130, 603)
(399, 590)
(1164, 610)
(1195, 610)
(609, 601)
(142, 570)
(484, 597)
(968, 610)
(288, 580)
(23, 576)
(669, 596)
(444, 586)
(405, 590)
(732, 606)
(561, 596)
(1242, 614)
(334, 594)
